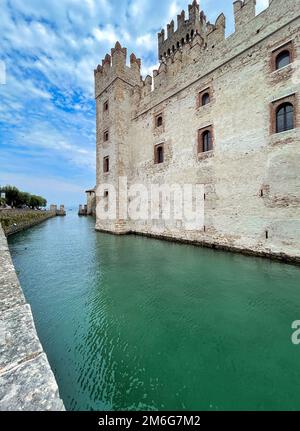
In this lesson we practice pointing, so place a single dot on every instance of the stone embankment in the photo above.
(14, 221)
(27, 382)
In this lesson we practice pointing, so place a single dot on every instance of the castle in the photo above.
(222, 112)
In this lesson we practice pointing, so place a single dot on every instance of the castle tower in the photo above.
(114, 87)
(185, 32)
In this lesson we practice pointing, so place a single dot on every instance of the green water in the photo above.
(134, 323)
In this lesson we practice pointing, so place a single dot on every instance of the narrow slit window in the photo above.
(105, 106)
(106, 136)
(106, 165)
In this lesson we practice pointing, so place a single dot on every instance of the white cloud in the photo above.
(146, 42)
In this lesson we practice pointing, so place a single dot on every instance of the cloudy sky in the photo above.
(49, 50)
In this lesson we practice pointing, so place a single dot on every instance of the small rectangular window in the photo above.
(106, 165)
(159, 154)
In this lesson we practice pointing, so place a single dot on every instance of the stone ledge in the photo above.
(26, 380)
(30, 386)
(18, 338)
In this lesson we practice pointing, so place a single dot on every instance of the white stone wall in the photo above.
(247, 157)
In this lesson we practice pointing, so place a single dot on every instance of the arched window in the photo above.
(169, 51)
(206, 141)
(182, 42)
(283, 59)
(159, 121)
(205, 99)
(187, 37)
(284, 117)
(192, 33)
(178, 45)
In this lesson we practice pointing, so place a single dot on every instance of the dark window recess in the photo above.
(182, 41)
(169, 51)
(261, 193)
(106, 194)
(159, 121)
(106, 165)
(267, 234)
(284, 117)
(283, 59)
(205, 100)
(159, 154)
(178, 45)
(206, 141)
(106, 136)
(105, 106)
(187, 37)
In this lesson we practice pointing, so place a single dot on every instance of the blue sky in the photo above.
(49, 50)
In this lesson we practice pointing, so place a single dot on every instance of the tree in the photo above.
(17, 199)
(24, 199)
(11, 195)
(37, 202)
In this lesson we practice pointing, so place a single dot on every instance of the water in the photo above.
(134, 323)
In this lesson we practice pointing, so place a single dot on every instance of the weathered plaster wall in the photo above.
(247, 158)
(26, 380)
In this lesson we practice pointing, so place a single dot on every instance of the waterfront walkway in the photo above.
(26, 379)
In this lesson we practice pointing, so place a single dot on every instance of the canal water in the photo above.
(131, 323)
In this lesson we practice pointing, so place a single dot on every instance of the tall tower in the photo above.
(114, 87)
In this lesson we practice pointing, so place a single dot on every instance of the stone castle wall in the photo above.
(251, 178)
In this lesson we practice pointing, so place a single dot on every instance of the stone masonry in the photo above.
(251, 173)
(26, 380)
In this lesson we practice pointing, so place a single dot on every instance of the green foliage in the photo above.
(18, 199)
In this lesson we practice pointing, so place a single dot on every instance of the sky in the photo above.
(48, 52)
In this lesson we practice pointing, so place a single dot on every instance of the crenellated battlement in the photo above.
(186, 30)
(114, 66)
(195, 47)
(198, 45)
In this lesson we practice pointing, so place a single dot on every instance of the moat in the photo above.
(130, 323)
